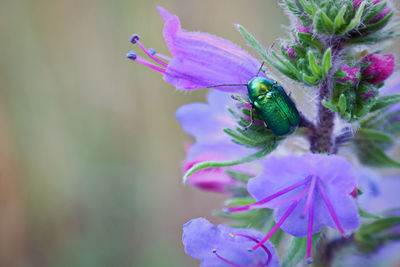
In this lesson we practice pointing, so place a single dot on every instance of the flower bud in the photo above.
(351, 74)
(380, 68)
(291, 52)
(304, 29)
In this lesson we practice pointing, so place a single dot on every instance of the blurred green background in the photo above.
(90, 161)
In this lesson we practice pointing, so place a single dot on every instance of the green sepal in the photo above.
(315, 69)
(310, 80)
(308, 6)
(385, 101)
(366, 214)
(326, 62)
(298, 11)
(322, 23)
(374, 10)
(218, 164)
(370, 153)
(373, 135)
(342, 105)
(242, 177)
(308, 39)
(329, 105)
(289, 66)
(239, 201)
(355, 22)
(340, 74)
(297, 250)
(339, 21)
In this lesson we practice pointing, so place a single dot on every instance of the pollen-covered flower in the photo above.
(224, 246)
(206, 122)
(307, 193)
(199, 60)
(380, 68)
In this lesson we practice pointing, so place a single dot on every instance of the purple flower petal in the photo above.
(206, 242)
(201, 59)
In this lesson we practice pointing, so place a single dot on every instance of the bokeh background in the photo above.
(90, 152)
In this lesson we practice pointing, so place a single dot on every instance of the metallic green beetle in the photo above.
(273, 105)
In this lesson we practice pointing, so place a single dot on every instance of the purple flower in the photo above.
(304, 29)
(205, 122)
(199, 60)
(352, 74)
(223, 246)
(380, 68)
(295, 186)
(291, 52)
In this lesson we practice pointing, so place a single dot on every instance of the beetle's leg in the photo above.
(252, 119)
(238, 98)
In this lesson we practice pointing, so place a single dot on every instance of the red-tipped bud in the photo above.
(291, 52)
(352, 74)
(385, 11)
(380, 68)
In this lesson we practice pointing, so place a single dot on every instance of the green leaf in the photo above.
(355, 22)
(322, 23)
(342, 105)
(339, 19)
(217, 164)
(239, 201)
(289, 66)
(310, 80)
(316, 70)
(308, 6)
(373, 135)
(379, 225)
(367, 215)
(340, 74)
(329, 105)
(326, 62)
(242, 177)
(372, 154)
(385, 101)
(310, 40)
(380, 24)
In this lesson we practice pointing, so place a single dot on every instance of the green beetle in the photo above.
(273, 105)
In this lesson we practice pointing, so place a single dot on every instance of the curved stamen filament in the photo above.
(162, 63)
(278, 224)
(289, 200)
(158, 55)
(271, 197)
(131, 55)
(226, 260)
(330, 208)
(311, 196)
(264, 247)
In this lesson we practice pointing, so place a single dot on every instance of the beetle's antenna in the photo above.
(259, 70)
(240, 84)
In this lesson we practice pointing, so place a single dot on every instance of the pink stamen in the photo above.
(134, 57)
(278, 225)
(226, 260)
(310, 220)
(289, 200)
(330, 208)
(161, 56)
(135, 40)
(271, 197)
(310, 195)
(264, 247)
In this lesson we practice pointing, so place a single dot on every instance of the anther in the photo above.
(134, 38)
(214, 251)
(309, 260)
(152, 51)
(226, 211)
(132, 55)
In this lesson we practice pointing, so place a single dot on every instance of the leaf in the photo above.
(357, 18)
(378, 226)
(342, 106)
(308, 6)
(373, 135)
(326, 62)
(386, 101)
(242, 177)
(310, 80)
(339, 19)
(374, 10)
(329, 105)
(217, 164)
(316, 70)
(366, 214)
(239, 201)
(380, 24)
(297, 250)
(371, 154)
(322, 23)
(310, 40)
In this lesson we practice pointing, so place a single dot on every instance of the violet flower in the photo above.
(223, 246)
(380, 68)
(205, 122)
(314, 185)
(199, 60)
(352, 74)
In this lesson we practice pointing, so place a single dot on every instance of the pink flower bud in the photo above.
(291, 52)
(304, 29)
(351, 74)
(381, 68)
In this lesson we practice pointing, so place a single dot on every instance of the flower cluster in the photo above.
(241, 140)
